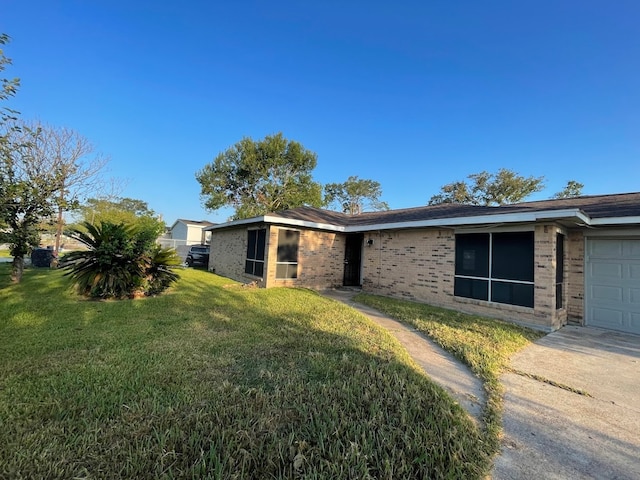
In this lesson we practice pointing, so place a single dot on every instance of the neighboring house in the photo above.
(541, 263)
(190, 231)
(184, 233)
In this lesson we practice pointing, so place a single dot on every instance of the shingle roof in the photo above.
(195, 222)
(595, 206)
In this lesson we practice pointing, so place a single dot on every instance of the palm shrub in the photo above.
(121, 261)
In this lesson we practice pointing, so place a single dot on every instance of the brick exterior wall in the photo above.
(574, 274)
(320, 260)
(414, 264)
(420, 265)
(228, 253)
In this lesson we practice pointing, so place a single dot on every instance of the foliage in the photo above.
(77, 168)
(484, 344)
(28, 185)
(572, 189)
(216, 381)
(121, 262)
(9, 85)
(129, 211)
(355, 195)
(485, 188)
(258, 177)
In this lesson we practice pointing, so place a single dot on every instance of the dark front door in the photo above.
(352, 259)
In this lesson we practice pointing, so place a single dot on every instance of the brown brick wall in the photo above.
(320, 260)
(228, 252)
(575, 276)
(420, 265)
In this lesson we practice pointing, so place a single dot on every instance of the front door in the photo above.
(352, 260)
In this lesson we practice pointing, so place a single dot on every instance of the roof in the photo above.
(198, 223)
(615, 209)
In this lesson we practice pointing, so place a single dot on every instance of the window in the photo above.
(496, 267)
(287, 263)
(559, 270)
(254, 265)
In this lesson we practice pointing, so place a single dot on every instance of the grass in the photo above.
(217, 381)
(484, 344)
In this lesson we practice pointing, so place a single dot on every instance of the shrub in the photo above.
(121, 261)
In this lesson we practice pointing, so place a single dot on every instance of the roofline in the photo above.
(615, 221)
(520, 217)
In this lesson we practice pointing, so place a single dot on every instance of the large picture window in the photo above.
(287, 263)
(496, 267)
(254, 264)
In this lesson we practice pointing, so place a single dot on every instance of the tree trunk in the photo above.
(17, 269)
(58, 231)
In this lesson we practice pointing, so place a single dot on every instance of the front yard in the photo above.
(213, 380)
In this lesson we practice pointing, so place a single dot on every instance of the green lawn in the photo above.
(484, 344)
(215, 381)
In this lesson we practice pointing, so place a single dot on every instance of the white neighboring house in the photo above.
(184, 233)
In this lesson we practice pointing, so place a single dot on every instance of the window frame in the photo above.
(252, 259)
(290, 266)
(492, 288)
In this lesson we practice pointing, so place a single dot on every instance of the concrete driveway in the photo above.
(553, 432)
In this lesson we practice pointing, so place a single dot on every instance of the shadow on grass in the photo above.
(218, 382)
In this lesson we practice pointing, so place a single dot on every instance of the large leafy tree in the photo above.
(484, 188)
(355, 195)
(120, 262)
(257, 177)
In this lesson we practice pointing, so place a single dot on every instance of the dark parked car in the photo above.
(198, 255)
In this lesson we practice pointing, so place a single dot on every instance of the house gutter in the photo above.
(573, 214)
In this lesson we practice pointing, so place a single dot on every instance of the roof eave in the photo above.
(572, 214)
(615, 221)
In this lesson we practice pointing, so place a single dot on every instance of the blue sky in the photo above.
(413, 94)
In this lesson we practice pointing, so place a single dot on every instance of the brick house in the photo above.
(541, 263)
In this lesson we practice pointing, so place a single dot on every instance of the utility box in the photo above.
(42, 257)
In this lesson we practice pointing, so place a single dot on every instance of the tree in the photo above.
(9, 86)
(257, 177)
(355, 195)
(485, 188)
(128, 211)
(121, 262)
(28, 188)
(76, 167)
(572, 189)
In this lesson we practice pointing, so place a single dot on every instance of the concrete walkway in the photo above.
(440, 365)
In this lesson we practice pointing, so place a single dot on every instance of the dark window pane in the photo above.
(260, 243)
(512, 256)
(251, 244)
(288, 245)
(559, 258)
(258, 269)
(248, 267)
(559, 300)
(470, 288)
(512, 293)
(472, 255)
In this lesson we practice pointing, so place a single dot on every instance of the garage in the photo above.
(612, 284)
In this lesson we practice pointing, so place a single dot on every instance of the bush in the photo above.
(121, 262)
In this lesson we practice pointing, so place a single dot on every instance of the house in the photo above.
(543, 263)
(190, 232)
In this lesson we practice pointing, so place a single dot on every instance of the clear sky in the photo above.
(413, 94)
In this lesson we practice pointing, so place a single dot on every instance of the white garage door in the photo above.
(612, 284)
